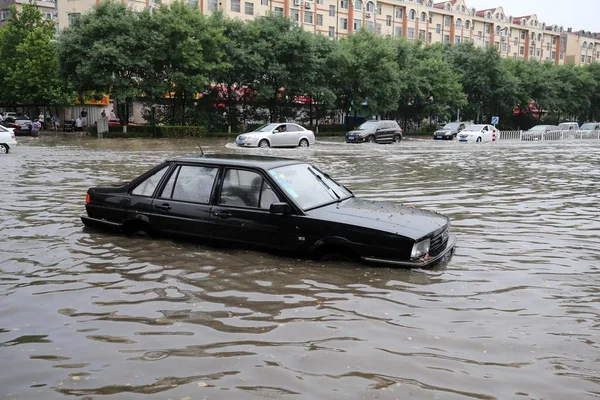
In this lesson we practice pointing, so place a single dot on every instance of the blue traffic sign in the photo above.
(495, 120)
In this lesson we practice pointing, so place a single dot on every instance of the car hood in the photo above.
(398, 219)
(443, 131)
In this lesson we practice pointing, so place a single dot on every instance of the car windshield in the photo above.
(22, 121)
(539, 128)
(588, 127)
(473, 128)
(452, 125)
(564, 127)
(308, 186)
(266, 128)
(366, 126)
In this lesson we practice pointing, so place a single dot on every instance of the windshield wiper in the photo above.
(324, 183)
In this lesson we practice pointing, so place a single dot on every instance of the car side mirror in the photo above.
(280, 209)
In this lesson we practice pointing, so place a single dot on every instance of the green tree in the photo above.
(29, 68)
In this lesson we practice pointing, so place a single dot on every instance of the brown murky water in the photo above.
(515, 314)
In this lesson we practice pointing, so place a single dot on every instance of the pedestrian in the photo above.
(41, 120)
(79, 126)
(55, 123)
(103, 114)
(112, 114)
(35, 129)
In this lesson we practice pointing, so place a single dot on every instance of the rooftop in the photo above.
(240, 160)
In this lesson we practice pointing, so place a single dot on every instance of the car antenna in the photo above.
(202, 151)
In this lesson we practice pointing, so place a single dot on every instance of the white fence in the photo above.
(552, 135)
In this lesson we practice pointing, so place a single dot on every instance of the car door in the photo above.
(183, 206)
(278, 136)
(293, 134)
(139, 201)
(241, 211)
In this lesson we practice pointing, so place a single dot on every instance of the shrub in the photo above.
(181, 131)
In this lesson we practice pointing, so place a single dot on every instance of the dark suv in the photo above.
(375, 132)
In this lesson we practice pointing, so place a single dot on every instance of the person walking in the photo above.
(79, 126)
(35, 129)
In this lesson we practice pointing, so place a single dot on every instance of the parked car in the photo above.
(276, 204)
(69, 125)
(20, 125)
(479, 133)
(7, 140)
(543, 132)
(375, 131)
(277, 135)
(589, 130)
(449, 131)
(568, 126)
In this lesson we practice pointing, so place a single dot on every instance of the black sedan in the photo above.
(275, 204)
(376, 131)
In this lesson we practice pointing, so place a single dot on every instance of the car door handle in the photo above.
(164, 206)
(222, 214)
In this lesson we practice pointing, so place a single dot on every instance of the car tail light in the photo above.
(13, 125)
(12, 135)
(87, 198)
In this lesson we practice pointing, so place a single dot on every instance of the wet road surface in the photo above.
(514, 314)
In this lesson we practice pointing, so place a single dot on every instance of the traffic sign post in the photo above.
(495, 120)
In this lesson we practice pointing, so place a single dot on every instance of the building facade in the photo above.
(452, 21)
(47, 7)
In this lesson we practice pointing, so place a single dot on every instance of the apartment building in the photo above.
(47, 7)
(581, 47)
(452, 21)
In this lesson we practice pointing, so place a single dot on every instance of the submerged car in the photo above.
(277, 135)
(479, 133)
(20, 125)
(269, 203)
(449, 131)
(376, 131)
(7, 140)
(589, 130)
(543, 132)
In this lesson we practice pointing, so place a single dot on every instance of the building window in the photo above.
(398, 31)
(379, 10)
(278, 11)
(488, 28)
(332, 11)
(504, 47)
(438, 28)
(522, 50)
(429, 37)
(358, 4)
(213, 5)
(447, 20)
(295, 15)
(446, 38)
(388, 20)
(583, 59)
(562, 56)
(320, 2)
(423, 17)
(459, 23)
(537, 53)
(309, 17)
(467, 24)
(523, 35)
(589, 59)
(553, 54)
(554, 40)
(264, 2)
(332, 32)
(344, 23)
(370, 26)
(421, 34)
(411, 33)
(344, 4)
(235, 6)
(399, 13)
(480, 34)
(357, 24)
(486, 44)
(5, 14)
(412, 14)
(249, 8)
(320, 19)
(379, 29)
(73, 17)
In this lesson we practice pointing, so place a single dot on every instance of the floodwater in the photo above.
(514, 314)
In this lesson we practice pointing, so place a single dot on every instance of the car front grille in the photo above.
(438, 242)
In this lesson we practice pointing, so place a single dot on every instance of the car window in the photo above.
(190, 183)
(148, 185)
(292, 128)
(485, 128)
(241, 188)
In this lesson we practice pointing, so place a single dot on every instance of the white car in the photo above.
(479, 133)
(7, 139)
(277, 135)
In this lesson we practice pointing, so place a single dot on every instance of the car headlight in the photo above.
(420, 248)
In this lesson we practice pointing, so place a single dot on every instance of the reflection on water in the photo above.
(514, 314)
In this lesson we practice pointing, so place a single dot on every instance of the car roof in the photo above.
(239, 160)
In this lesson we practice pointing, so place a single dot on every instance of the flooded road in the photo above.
(515, 313)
